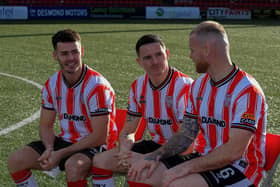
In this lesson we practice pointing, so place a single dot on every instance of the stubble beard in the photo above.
(201, 67)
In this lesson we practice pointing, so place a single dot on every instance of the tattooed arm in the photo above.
(127, 133)
(179, 142)
(129, 128)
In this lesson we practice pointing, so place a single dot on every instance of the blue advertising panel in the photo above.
(58, 12)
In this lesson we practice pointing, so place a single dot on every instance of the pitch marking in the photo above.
(25, 121)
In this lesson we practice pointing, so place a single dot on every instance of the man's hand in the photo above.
(136, 169)
(124, 154)
(174, 173)
(50, 159)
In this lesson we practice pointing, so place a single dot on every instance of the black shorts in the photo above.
(145, 146)
(59, 143)
(225, 176)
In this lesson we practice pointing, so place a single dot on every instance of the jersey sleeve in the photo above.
(47, 100)
(133, 108)
(101, 100)
(247, 111)
(191, 107)
(182, 101)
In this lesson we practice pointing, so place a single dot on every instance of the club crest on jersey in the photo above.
(169, 101)
(227, 100)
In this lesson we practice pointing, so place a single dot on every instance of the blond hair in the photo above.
(210, 28)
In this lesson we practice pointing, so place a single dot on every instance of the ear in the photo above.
(54, 55)
(167, 54)
(82, 51)
(207, 49)
(138, 61)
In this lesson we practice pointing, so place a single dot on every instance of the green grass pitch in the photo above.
(26, 51)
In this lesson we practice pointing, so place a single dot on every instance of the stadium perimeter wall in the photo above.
(177, 9)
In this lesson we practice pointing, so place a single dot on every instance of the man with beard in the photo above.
(84, 102)
(229, 108)
(160, 96)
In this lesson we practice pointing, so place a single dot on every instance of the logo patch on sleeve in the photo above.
(248, 118)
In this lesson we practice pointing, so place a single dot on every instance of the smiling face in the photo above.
(69, 57)
(153, 58)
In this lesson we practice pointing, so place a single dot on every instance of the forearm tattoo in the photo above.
(180, 141)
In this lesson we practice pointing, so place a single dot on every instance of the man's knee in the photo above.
(24, 158)
(77, 167)
(14, 160)
(105, 159)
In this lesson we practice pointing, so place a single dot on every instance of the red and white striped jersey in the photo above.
(162, 107)
(237, 101)
(91, 96)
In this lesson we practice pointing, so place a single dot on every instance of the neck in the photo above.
(157, 80)
(221, 70)
(72, 78)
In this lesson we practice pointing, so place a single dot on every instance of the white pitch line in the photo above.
(25, 121)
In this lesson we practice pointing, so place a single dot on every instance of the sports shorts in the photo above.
(59, 143)
(225, 176)
(145, 146)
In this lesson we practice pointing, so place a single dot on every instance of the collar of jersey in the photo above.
(226, 78)
(84, 70)
(165, 82)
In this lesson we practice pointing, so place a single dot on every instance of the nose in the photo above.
(155, 60)
(70, 56)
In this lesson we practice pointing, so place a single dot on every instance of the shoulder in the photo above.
(248, 81)
(181, 77)
(53, 78)
(139, 80)
(94, 78)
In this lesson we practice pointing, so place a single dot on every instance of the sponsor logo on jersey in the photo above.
(72, 117)
(58, 98)
(210, 120)
(248, 118)
(160, 121)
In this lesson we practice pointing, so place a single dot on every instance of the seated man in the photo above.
(83, 100)
(159, 96)
(229, 108)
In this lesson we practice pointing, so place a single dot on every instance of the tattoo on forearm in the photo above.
(180, 141)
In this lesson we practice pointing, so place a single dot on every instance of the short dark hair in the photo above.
(65, 35)
(146, 39)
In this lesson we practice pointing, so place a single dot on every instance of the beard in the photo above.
(201, 67)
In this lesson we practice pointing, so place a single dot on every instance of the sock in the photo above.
(80, 183)
(102, 178)
(136, 184)
(24, 178)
